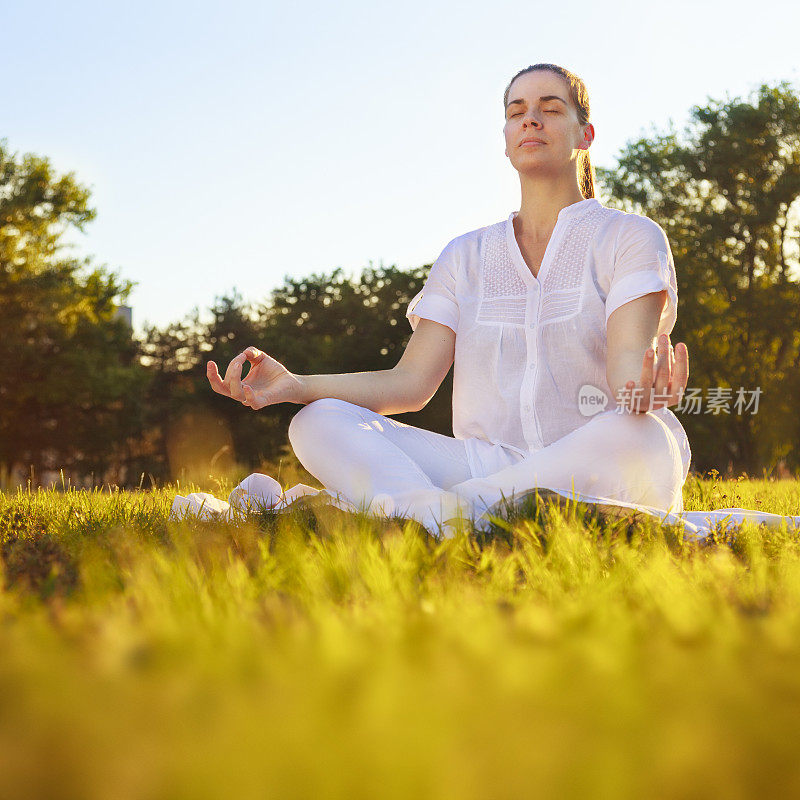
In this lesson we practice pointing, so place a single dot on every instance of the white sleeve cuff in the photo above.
(638, 284)
(434, 307)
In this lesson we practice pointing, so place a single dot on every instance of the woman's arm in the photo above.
(406, 387)
(637, 379)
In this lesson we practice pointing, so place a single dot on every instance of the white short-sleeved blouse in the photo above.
(530, 350)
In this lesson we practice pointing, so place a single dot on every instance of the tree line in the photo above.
(78, 392)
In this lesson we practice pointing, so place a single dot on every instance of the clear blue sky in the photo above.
(229, 144)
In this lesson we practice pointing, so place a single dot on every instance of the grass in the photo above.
(563, 654)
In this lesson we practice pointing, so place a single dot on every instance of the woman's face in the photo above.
(539, 106)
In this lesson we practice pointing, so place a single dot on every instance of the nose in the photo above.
(530, 119)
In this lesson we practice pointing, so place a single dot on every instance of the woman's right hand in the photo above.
(268, 381)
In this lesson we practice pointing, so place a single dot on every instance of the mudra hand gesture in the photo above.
(663, 379)
(268, 381)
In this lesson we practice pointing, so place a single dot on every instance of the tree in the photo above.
(70, 382)
(726, 192)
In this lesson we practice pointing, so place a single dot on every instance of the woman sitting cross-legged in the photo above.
(558, 321)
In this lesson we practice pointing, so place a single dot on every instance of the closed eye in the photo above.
(547, 111)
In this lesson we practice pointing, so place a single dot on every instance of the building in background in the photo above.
(124, 312)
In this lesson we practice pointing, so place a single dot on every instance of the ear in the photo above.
(588, 136)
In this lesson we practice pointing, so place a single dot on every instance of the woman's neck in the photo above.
(542, 200)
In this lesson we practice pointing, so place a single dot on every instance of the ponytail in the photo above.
(585, 174)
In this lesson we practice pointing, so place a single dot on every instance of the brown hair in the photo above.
(580, 100)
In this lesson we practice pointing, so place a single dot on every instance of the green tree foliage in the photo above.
(70, 382)
(181, 405)
(726, 192)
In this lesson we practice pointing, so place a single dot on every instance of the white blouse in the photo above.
(529, 350)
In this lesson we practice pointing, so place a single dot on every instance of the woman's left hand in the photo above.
(663, 379)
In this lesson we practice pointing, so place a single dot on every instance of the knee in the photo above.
(309, 419)
(644, 450)
(633, 431)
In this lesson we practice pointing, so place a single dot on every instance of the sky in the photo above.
(228, 145)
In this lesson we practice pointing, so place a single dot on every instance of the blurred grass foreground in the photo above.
(321, 654)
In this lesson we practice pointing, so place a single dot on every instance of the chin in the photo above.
(531, 166)
(535, 156)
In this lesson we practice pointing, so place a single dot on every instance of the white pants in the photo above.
(380, 464)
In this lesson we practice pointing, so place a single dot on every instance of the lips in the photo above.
(531, 140)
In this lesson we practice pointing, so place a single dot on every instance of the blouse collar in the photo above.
(572, 210)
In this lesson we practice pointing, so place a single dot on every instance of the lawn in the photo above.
(320, 654)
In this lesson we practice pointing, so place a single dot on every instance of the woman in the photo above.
(550, 317)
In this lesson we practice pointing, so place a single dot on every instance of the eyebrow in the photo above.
(542, 99)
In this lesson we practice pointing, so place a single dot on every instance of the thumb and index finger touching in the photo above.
(233, 376)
